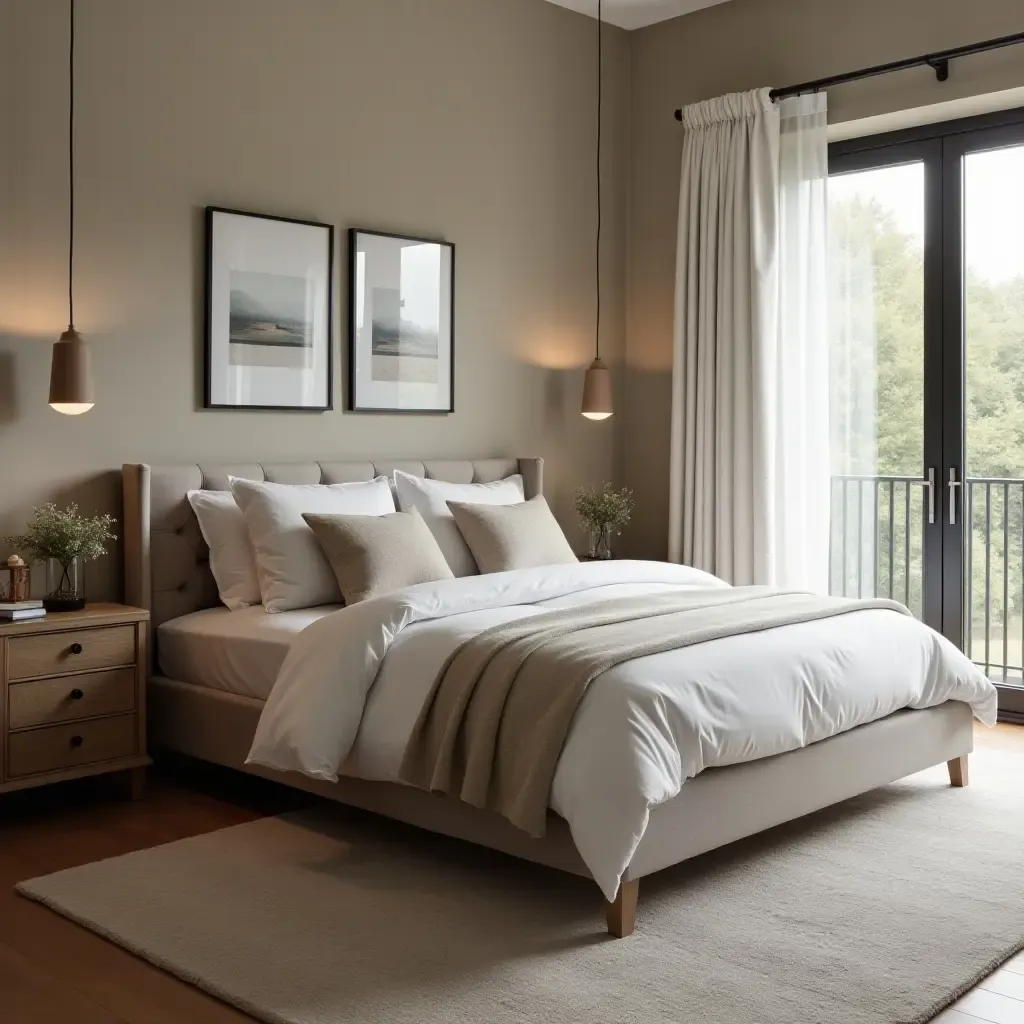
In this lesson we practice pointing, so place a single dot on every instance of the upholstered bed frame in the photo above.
(167, 572)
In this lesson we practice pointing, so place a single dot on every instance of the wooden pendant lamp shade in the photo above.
(597, 391)
(71, 375)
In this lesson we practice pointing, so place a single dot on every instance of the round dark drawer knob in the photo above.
(76, 648)
(77, 694)
(76, 741)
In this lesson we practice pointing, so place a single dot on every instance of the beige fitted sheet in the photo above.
(237, 652)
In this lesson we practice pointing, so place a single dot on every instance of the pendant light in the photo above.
(71, 369)
(597, 384)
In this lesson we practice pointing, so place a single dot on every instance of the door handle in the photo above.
(953, 485)
(930, 484)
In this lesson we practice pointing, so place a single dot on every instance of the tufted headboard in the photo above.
(166, 563)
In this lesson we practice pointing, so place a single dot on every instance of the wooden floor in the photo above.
(53, 972)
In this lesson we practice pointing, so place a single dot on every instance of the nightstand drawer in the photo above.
(68, 746)
(50, 654)
(68, 698)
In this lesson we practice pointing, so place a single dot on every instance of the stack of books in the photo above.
(20, 611)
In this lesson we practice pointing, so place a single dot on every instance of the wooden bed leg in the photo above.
(621, 913)
(958, 771)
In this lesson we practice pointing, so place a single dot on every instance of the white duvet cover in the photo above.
(350, 690)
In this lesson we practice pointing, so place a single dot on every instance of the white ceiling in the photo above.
(637, 13)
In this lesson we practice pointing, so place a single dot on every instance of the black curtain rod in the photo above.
(939, 62)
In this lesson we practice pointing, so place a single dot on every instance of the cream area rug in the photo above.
(881, 910)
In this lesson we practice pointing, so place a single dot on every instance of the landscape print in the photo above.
(402, 351)
(270, 322)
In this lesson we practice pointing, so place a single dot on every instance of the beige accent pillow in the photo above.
(293, 572)
(504, 537)
(430, 497)
(374, 555)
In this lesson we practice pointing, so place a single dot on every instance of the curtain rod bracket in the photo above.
(941, 68)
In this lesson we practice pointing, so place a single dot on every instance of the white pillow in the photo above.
(430, 498)
(232, 558)
(293, 571)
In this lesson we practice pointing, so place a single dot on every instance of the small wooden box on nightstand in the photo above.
(73, 697)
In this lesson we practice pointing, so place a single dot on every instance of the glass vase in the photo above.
(600, 542)
(65, 585)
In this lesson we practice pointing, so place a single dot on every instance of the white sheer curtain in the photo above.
(801, 477)
(749, 482)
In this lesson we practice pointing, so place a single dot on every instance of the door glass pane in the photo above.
(994, 409)
(876, 317)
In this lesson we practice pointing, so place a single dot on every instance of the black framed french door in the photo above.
(885, 251)
(938, 214)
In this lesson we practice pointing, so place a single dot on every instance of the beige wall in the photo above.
(740, 45)
(468, 119)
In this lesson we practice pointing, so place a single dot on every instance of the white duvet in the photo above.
(350, 690)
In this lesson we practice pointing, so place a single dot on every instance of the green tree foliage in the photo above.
(995, 378)
(877, 293)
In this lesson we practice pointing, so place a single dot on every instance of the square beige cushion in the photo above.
(504, 537)
(374, 555)
(293, 572)
(430, 498)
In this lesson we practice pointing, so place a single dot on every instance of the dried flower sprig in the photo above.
(64, 535)
(604, 507)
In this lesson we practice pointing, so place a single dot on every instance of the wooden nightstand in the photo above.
(73, 697)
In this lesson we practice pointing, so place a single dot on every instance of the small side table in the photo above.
(73, 697)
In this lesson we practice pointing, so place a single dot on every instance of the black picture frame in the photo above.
(210, 214)
(354, 402)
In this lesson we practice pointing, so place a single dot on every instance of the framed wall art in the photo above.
(401, 329)
(269, 284)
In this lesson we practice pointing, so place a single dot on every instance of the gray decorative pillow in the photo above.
(374, 555)
(504, 537)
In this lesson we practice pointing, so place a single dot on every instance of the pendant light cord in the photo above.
(71, 170)
(600, 85)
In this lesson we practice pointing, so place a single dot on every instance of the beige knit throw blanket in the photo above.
(493, 726)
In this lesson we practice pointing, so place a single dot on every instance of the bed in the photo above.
(211, 674)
